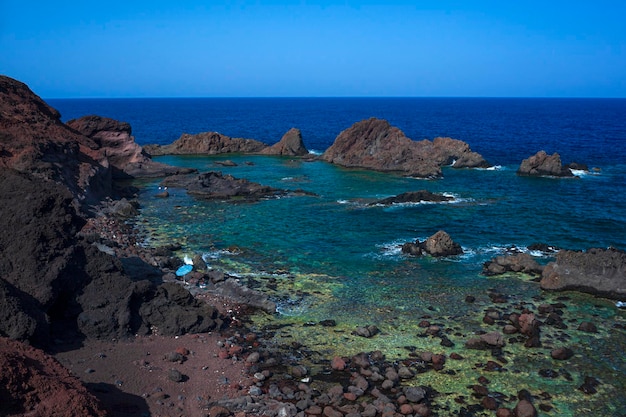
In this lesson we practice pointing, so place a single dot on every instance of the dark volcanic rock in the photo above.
(542, 164)
(127, 158)
(290, 144)
(597, 271)
(439, 244)
(521, 262)
(53, 282)
(33, 383)
(375, 144)
(215, 185)
(206, 143)
(413, 197)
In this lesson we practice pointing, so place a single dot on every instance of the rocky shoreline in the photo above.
(77, 284)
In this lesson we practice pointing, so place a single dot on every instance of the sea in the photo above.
(333, 257)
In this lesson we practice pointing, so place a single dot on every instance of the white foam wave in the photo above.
(187, 260)
(315, 152)
(579, 172)
(217, 254)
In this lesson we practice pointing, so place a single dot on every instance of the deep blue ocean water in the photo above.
(334, 257)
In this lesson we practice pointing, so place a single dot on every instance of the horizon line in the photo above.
(328, 97)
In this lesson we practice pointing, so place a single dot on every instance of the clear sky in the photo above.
(155, 48)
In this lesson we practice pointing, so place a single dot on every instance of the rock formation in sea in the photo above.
(291, 144)
(206, 143)
(33, 383)
(215, 185)
(439, 244)
(413, 197)
(53, 280)
(541, 164)
(213, 143)
(375, 144)
(596, 271)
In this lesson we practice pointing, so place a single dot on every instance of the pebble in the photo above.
(175, 375)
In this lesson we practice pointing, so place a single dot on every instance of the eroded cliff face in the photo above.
(33, 139)
(117, 146)
(375, 144)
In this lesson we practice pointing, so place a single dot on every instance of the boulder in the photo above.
(441, 244)
(291, 144)
(542, 164)
(486, 341)
(521, 262)
(597, 271)
(206, 143)
(375, 144)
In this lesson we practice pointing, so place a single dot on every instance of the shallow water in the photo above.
(334, 256)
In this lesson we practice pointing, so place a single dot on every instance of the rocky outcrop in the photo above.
(291, 144)
(521, 262)
(84, 158)
(216, 186)
(34, 383)
(542, 164)
(413, 197)
(439, 244)
(597, 271)
(50, 279)
(213, 143)
(206, 143)
(375, 144)
(126, 158)
(53, 280)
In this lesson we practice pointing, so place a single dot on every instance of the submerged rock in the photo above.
(413, 197)
(215, 185)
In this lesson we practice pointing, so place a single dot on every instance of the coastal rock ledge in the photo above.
(375, 144)
(597, 271)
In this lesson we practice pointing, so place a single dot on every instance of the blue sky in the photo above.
(137, 48)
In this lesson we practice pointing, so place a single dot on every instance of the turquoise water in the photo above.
(333, 256)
